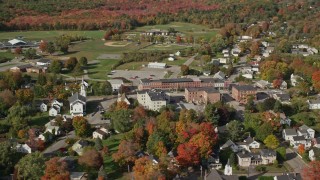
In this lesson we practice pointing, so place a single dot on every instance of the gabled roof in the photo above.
(267, 152)
(290, 132)
(227, 144)
(244, 88)
(298, 138)
(16, 41)
(75, 97)
(304, 127)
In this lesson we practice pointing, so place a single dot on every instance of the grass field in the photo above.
(49, 35)
(177, 62)
(101, 69)
(164, 47)
(132, 66)
(186, 28)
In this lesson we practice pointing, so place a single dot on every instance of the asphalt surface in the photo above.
(296, 163)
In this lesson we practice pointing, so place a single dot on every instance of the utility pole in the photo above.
(201, 171)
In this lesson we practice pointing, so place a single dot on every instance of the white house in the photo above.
(314, 154)
(101, 133)
(152, 100)
(79, 146)
(306, 131)
(262, 84)
(43, 107)
(43, 62)
(178, 53)
(17, 42)
(171, 58)
(219, 75)
(54, 111)
(224, 60)
(284, 85)
(116, 84)
(249, 143)
(288, 134)
(78, 101)
(314, 103)
(52, 128)
(295, 79)
(23, 148)
(157, 65)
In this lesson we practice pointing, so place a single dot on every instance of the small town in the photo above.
(161, 90)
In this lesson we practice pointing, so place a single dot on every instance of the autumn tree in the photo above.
(24, 95)
(184, 70)
(7, 98)
(71, 63)
(188, 155)
(81, 126)
(108, 35)
(178, 39)
(139, 113)
(43, 46)
(121, 105)
(126, 153)
(91, 158)
(301, 149)
(271, 141)
(312, 171)
(56, 170)
(62, 42)
(145, 169)
(316, 80)
(18, 50)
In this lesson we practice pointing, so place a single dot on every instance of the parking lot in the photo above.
(135, 76)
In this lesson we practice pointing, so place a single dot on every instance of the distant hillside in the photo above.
(302, 15)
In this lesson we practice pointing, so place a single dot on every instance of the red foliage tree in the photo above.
(312, 171)
(126, 152)
(108, 35)
(139, 113)
(18, 50)
(144, 169)
(188, 154)
(178, 39)
(56, 170)
(277, 83)
(43, 46)
(316, 80)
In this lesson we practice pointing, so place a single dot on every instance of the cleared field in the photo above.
(49, 35)
(101, 69)
(165, 47)
(177, 62)
(186, 28)
(132, 66)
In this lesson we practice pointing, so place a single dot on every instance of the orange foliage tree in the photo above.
(145, 169)
(301, 149)
(126, 152)
(56, 170)
(91, 158)
(316, 80)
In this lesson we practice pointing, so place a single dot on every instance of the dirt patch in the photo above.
(115, 44)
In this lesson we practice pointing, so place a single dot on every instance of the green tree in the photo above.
(81, 126)
(31, 166)
(77, 71)
(50, 48)
(42, 79)
(30, 53)
(7, 157)
(98, 144)
(264, 131)
(108, 87)
(55, 67)
(281, 154)
(121, 120)
(234, 130)
(271, 141)
(211, 114)
(250, 106)
(62, 42)
(83, 61)
(277, 106)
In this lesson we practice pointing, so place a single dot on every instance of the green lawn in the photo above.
(132, 66)
(6, 54)
(164, 47)
(49, 35)
(186, 28)
(101, 69)
(40, 119)
(177, 62)
(111, 167)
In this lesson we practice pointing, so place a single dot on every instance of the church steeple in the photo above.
(83, 89)
(228, 169)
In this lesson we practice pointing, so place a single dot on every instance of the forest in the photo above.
(301, 16)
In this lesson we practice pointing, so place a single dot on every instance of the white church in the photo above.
(78, 101)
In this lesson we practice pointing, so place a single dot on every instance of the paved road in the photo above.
(59, 144)
(190, 60)
(7, 65)
(295, 161)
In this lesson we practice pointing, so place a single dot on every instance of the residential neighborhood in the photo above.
(210, 90)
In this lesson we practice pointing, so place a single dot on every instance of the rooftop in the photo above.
(206, 89)
(76, 96)
(290, 132)
(244, 88)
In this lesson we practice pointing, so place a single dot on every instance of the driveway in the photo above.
(59, 144)
(190, 60)
(295, 161)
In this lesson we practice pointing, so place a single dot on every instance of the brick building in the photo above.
(203, 95)
(241, 93)
(180, 83)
